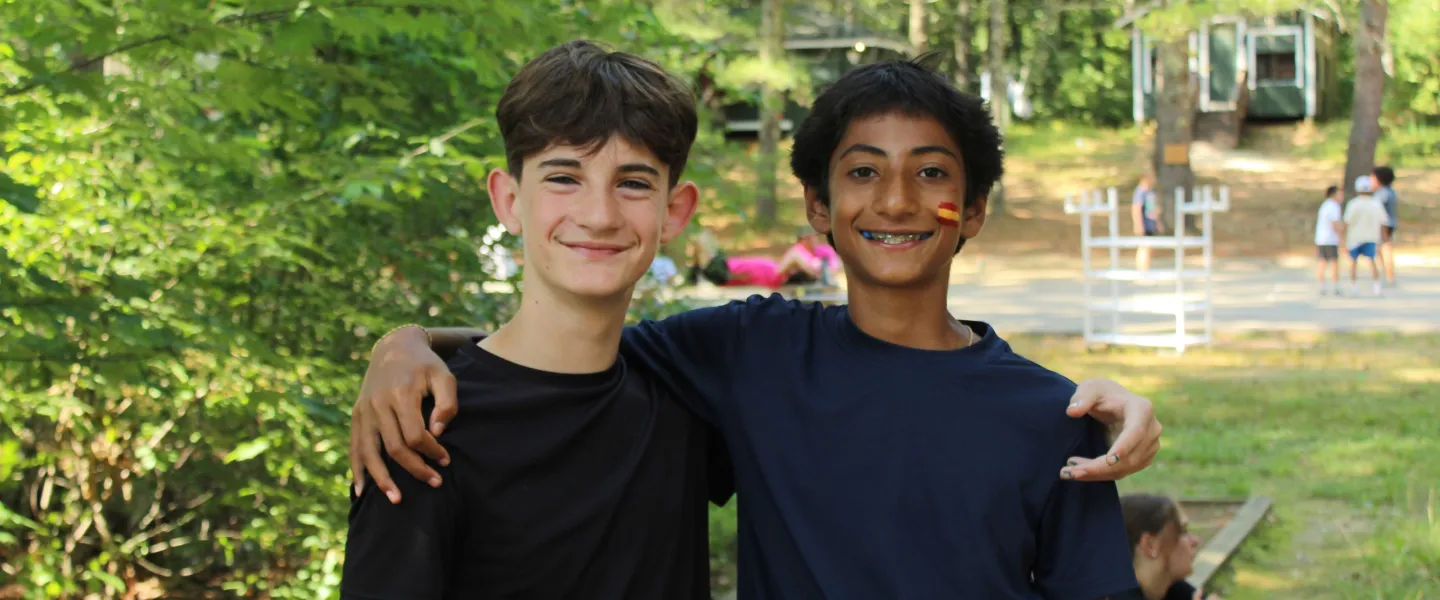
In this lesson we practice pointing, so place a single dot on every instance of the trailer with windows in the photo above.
(1281, 66)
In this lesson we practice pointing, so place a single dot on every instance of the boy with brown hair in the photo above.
(571, 474)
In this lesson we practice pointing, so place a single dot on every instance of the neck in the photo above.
(917, 317)
(1153, 580)
(561, 333)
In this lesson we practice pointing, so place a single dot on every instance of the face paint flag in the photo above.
(949, 214)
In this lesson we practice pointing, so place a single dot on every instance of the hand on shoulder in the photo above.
(403, 370)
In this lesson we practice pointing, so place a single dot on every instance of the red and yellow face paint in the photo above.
(948, 214)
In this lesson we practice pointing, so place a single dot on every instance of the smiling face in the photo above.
(888, 179)
(591, 219)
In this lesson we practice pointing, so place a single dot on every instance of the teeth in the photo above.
(894, 238)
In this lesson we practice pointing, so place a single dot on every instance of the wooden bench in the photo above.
(1220, 548)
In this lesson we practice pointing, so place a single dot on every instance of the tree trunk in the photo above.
(999, 103)
(1175, 96)
(964, 28)
(772, 108)
(1369, 91)
(918, 39)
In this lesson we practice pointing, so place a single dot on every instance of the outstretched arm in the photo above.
(1131, 430)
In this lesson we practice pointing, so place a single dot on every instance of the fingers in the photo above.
(412, 428)
(1112, 466)
(1085, 397)
(442, 387)
(375, 465)
(399, 449)
(357, 464)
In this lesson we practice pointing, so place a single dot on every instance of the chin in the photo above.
(597, 282)
(894, 278)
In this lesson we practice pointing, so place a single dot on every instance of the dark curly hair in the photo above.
(911, 87)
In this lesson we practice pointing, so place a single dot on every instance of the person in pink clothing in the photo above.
(808, 261)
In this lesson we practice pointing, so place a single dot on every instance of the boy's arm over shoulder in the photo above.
(1082, 552)
(402, 551)
(694, 353)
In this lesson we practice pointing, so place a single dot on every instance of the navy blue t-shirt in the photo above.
(869, 470)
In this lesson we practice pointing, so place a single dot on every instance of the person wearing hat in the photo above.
(1364, 217)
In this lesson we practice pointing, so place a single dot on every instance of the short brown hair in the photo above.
(1147, 513)
(580, 94)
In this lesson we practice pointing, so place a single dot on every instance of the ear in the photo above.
(1149, 545)
(816, 212)
(503, 189)
(678, 210)
(973, 217)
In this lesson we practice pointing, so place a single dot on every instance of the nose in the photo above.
(597, 210)
(897, 199)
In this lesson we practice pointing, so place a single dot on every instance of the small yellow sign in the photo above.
(1177, 154)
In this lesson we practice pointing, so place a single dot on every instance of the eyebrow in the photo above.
(639, 168)
(916, 151)
(625, 168)
(560, 162)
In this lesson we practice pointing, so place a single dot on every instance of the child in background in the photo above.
(1162, 549)
(1364, 217)
(1328, 226)
(1385, 193)
(1145, 213)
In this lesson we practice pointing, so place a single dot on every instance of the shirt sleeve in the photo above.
(720, 471)
(1082, 552)
(691, 353)
(401, 551)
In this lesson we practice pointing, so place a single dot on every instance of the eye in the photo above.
(637, 184)
(562, 180)
(933, 173)
(863, 172)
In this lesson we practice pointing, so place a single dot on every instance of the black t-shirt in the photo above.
(589, 486)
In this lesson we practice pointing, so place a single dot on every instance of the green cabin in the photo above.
(828, 46)
(1279, 67)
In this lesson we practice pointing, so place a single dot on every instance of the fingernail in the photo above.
(358, 487)
(435, 482)
(393, 496)
(1066, 474)
(1113, 459)
(439, 428)
(444, 461)
(1074, 404)
(1072, 463)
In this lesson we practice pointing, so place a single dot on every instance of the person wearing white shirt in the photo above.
(1364, 218)
(1328, 225)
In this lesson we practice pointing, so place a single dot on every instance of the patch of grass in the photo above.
(1341, 431)
(1404, 143)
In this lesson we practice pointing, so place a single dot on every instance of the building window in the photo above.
(1275, 68)
(1275, 58)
